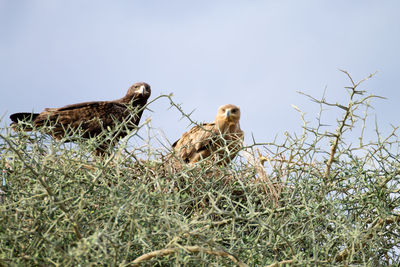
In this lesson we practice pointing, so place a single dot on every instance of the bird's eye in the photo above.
(234, 110)
(223, 110)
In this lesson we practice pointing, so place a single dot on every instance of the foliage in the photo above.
(304, 201)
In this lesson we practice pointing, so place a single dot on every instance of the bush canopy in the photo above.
(312, 199)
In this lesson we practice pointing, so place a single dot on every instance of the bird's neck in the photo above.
(226, 126)
(126, 99)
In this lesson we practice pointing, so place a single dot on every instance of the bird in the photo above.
(91, 118)
(219, 141)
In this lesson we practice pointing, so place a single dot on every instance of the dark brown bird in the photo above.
(91, 117)
(220, 140)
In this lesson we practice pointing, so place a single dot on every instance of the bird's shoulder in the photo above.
(196, 134)
(90, 105)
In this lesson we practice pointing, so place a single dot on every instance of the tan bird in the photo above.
(220, 140)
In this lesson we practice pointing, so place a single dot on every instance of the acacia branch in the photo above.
(343, 125)
(341, 256)
(193, 249)
(44, 184)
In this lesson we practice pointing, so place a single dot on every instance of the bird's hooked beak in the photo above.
(228, 113)
(141, 90)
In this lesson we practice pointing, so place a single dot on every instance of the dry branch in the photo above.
(193, 249)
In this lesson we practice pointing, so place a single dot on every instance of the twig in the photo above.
(44, 184)
(193, 249)
(277, 264)
(341, 256)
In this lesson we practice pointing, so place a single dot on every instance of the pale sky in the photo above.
(255, 54)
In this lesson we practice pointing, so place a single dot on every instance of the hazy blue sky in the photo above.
(255, 54)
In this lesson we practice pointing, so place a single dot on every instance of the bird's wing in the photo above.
(195, 142)
(84, 105)
(90, 116)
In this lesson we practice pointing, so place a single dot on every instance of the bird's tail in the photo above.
(23, 117)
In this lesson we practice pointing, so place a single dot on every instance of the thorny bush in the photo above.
(309, 200)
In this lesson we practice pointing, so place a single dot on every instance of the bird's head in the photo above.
(228, 114)
(139, 90)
